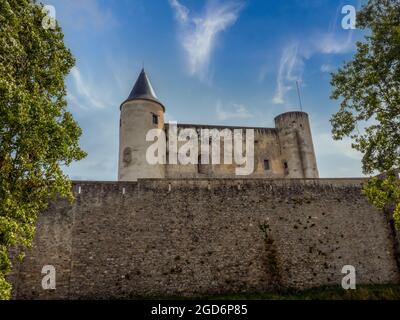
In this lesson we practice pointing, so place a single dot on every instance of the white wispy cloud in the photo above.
(294, 57)
(334, 43)
(238, 111)
(327, 68)
(83, 95)
(336, 40)
(295, 54)
(326, 146)
(198, 34)
(290, 70)
(181, 12)
(335, 158)
(83, 15)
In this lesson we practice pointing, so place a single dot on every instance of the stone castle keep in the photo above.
(194, 231)
(285, 151)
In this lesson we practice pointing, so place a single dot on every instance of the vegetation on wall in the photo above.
(37, 134)
(369, 89)
(270, 258)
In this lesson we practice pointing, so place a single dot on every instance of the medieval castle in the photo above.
(192, 230)
(285, 151)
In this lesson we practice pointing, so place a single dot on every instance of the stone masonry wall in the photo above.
(163, 238)
(266, 147)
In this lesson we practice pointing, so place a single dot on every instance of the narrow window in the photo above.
(127, 156)
(199, 164)
(285, 165)
(201, 168)
(155, 119)
(266, 165)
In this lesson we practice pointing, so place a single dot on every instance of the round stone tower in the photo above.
(296, 143)
(141, 112)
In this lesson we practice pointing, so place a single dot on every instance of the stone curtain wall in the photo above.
(163, 238)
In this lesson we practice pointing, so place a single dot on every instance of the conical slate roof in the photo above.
(143, 90)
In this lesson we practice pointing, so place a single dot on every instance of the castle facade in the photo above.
(285, 151)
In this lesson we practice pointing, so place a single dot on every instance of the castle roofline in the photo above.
(290, 114)
(208, 126)
(143, 90)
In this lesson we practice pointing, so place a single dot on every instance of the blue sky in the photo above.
(232, 62)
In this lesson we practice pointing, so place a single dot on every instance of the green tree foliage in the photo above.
(37, 134)
(369, 114)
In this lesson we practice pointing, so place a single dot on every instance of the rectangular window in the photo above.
(155, 119)
(266, 165)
